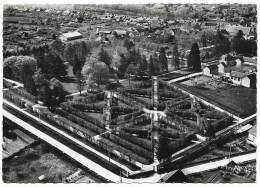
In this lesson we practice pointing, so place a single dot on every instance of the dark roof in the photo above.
(225, 65)
(175, 176)
(252, 76)
(213, 67)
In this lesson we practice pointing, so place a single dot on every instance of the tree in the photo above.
(57, 90)
(163, 60)
(204, 40)
(222, 44)
(163, 147)
(142, 66)
(69, 53)
(50, 62)
(175, 57)
(47, 96)
(104, 57)
(40, 83)
(194, 58)
(76, 65)
(128, 44)
(97, 73)
(131, 70)
(21, 68)
(151, 66)
(80, 81)
(237, 42)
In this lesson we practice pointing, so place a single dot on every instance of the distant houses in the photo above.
(70, 36)
(233, 68)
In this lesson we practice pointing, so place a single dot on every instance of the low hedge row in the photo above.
(13, 98)
(144, 143)
(79, 121)
(125, 153)
(24, 94)
(65, 123)
(130, 146)
(126, 117)
(84, 116)
(92, 98)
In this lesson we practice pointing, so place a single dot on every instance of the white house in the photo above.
(244, 79)
(252, 136)
(70, 36)
(210, 70)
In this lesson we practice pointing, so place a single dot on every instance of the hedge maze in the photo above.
(127, 130)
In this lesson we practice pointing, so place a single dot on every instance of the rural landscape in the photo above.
(129, 93)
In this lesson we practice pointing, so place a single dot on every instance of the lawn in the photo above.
(240, 100)
(70, 83)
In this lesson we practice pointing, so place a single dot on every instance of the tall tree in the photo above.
(80, 81)
(21, 68)
(175, 56)
(97, 73)
(128, 44)
(222, 44)
(194, 62)
(204, 40)
(76, 65)
(104, 57)
(142, 66)
(238, 42)
(163, 60)
(151, 66)
(47, 96)
(131, 70)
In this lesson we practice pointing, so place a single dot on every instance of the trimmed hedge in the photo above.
(61, 121)
(146, 144)
(130, 146)
(24, 94)
(79, 121)
(83, 115)
(124, 152)
(92, 98)
(221, 124)
(13, 98)
(126, 117)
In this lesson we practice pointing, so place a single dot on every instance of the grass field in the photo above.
(70, 83)
(240, 99)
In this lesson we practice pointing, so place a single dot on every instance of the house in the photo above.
(228, 60)
(213, 17)
(233, 29)
(252, 136)
(121, 33)
(70, 36)
(176, 176)
(210, 70)
(244, 79)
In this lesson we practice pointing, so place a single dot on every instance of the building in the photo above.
(244, 79)
(70, 36)
(210, 70)
(252, 136)
(214, 17)
(233, 29)
(176, 176)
